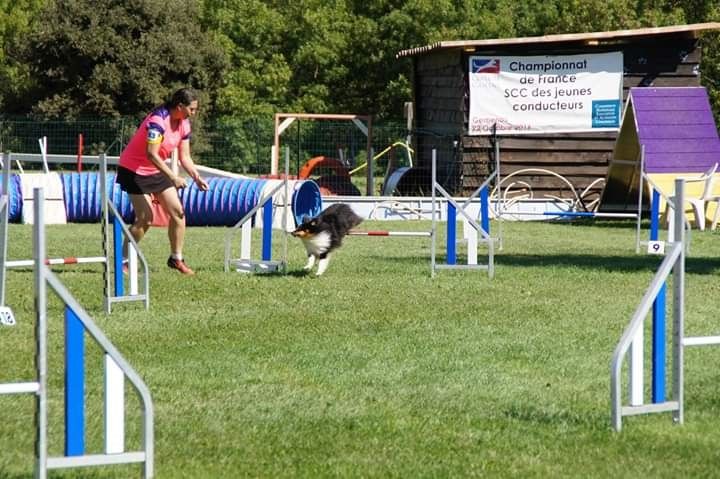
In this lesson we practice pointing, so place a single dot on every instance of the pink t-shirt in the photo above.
(155, 128)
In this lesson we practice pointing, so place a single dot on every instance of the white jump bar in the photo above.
(22, 263)
(94, 460)
(701, 340)
(19, 388)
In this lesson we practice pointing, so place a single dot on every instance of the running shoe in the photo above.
(179, 265)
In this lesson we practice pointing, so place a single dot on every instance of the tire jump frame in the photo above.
(77, 322)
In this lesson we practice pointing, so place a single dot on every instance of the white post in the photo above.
(114, 407)
(43, 153)
(132, 269)
(470, 234)
(245, 239)
(636, 369)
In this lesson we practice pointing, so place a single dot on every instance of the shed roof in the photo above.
(691, 31)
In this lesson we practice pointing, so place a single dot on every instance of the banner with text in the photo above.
(545, 94)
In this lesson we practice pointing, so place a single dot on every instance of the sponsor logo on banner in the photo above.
(485, 65)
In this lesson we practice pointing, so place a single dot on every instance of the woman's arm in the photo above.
(189, 165)
(153, 154)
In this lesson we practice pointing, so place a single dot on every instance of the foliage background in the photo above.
(250, 58)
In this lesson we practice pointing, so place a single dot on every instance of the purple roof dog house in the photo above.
(676, 129)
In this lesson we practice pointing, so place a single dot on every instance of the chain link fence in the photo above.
(333, 153)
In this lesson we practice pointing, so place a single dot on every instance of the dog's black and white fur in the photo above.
(324, 234)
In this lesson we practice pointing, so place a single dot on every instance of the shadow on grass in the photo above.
(694, 265)
(296, 273)
(629, 224)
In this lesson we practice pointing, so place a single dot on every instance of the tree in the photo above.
(251, 33)
(109, 58)
(15, 23)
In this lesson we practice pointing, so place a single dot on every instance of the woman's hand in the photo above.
(202, 184)
(179, 182)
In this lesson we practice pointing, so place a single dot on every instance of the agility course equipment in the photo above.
(227, 200)
(654, 299)
(665, 133)
(245, 263)
(75, 455)
(113, 278)
(674, 262)
(474, 234)
(451, 237)
(284, 120)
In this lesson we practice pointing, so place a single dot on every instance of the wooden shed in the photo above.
(658, 57)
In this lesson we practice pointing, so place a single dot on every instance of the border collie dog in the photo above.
(324, 234)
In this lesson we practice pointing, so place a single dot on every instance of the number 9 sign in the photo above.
(656, 247)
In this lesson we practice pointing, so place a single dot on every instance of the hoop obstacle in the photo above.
(75, 455)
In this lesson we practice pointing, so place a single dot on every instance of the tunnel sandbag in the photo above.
(83, 202)
(306, 200)
(54, 197)
(14, 196)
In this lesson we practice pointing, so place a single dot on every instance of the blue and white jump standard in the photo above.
(80, 322)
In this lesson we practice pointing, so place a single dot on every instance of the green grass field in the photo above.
(375, 369)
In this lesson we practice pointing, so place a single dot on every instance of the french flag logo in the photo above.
(485, 65)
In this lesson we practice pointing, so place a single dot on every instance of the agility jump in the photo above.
(114, 284)
(266, 264)
(631, 344)
(451, 237)
(77, 322)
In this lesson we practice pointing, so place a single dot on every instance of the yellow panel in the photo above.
(665, 182)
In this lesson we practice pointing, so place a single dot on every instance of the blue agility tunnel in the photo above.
(82, 197)
(14, 198)
(225, 203)
(228, 200)
(14, 195)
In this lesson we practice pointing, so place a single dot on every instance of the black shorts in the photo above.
(135, 184)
